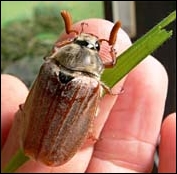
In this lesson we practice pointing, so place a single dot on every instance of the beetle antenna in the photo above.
(113, 35)
(68, 22)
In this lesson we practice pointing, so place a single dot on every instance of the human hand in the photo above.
(128, 124)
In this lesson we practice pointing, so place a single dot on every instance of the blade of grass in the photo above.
(138, 51)
(17, 160)
(126, 61)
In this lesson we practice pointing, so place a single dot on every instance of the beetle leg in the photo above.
(68, 22)
(111, 42)
(109, 91)
(113, 61)
(92, 137)
(106, 89)
(82, 26)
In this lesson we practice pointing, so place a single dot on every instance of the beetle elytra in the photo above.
(62, 103)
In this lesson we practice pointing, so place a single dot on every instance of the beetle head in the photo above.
(111, 41)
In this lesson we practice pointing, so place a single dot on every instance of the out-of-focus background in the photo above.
(29, 29)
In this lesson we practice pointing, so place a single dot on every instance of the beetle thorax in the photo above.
(81, 55)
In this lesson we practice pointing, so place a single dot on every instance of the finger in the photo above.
(167, 148)
(128, 139)
(13, 92)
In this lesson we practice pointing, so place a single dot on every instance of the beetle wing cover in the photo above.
(56, 117)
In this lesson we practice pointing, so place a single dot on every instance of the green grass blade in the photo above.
(17, 160)
(138, 51)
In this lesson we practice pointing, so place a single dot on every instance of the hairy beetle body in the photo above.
(62, 103)
(81, 55)
(57, 125)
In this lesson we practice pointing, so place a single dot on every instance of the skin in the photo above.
(127, 127)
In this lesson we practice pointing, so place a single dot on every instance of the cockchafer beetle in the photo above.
(62, 103)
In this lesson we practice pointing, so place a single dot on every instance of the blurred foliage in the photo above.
(47, 18)
(25, 42)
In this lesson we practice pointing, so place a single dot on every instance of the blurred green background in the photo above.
(30, 28)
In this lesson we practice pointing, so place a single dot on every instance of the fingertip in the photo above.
(169, 124)
(167, 148)
(13, 93)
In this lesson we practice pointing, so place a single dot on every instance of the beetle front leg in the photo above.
(109, 91)
(113, 61)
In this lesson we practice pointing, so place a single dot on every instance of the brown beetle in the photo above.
(62, 103)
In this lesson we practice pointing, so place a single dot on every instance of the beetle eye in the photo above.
(97, 45)
(85, 43)
(81, 42)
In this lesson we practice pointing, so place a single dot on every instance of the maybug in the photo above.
(60, 108)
